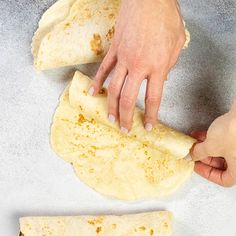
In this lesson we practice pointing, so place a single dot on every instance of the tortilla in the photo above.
(131, 166)
(74, 32)
(143, 224)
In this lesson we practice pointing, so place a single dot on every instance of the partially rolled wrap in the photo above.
(162, 137)
(129, 167)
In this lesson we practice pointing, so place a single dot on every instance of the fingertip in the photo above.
(148, 126)
(124, 130)
(111, 118)
(149, 121)
(94, 87)
(91, 91)
(125, 125)
(188, 158)
(197, 152)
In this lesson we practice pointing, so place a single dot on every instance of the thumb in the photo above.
(199, 151)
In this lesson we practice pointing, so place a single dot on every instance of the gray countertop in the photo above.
(34, 181)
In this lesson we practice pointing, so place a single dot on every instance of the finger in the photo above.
(114, 91)
(127, 101)
(199, 152)
(105, 68)
(152, 101)
(221, 177)
(216, 162)
(199, 135)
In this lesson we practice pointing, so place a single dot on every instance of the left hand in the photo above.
(149, 36)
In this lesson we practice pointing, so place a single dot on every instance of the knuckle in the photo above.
(113, 89)
(136, 62)
(102, 68)
(152, 101)
(210, 148)
(161, 67)
(126, 102)
(112, 57)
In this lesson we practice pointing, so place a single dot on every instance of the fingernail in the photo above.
(188, 158)
(148, 126)
(124, 130)
(91, 91)
(111, 118)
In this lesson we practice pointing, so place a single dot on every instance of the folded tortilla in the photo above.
(144, 224)
(130, 166)
(73, 32)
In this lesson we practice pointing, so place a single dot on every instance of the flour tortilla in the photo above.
(54, 15)
(74, 32)
(128, 167)
(144, 224)
(82, 36)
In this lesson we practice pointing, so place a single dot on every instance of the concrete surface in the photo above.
(34, 181)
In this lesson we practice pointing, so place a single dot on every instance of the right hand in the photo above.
(215, 154)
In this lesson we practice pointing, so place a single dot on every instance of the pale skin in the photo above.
(148, 39)
(215, 154)
(149, 36)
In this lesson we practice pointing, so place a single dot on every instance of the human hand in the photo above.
(215, 155)
(149, 36)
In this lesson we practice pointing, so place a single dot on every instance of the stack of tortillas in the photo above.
(130, 166)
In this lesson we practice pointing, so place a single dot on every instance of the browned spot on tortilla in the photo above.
(110, 33)
(98, 220)
(98, 230)
(113, 226)
(91, 222)
(111, 16)
(102, 91)
(67, 25)
(166, 225)
(81, 119)
(96, 44)
(151, 232)
(142, 228)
